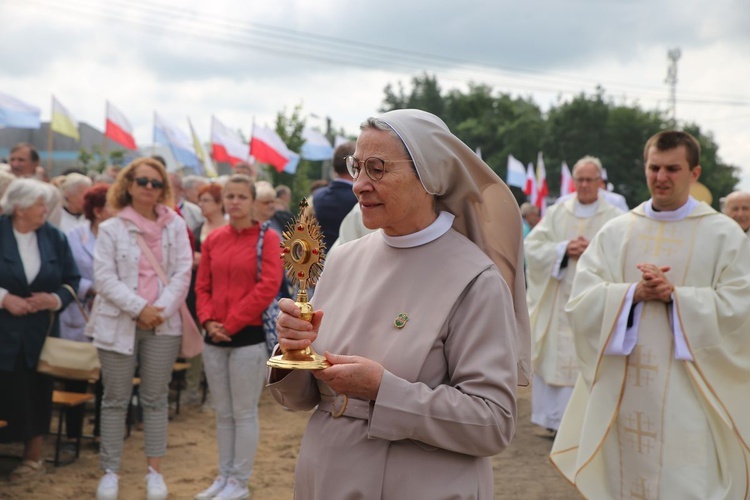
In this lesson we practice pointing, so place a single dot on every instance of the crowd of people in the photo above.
(630, 325)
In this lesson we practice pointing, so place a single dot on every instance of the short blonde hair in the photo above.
(118, 196)
(74, 181)
(264, 189)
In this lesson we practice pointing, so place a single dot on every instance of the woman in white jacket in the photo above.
(136, 318)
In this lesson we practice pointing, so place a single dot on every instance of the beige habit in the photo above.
(447, 399)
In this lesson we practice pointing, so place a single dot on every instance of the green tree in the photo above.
(595, 125)
(587, 124)
(425, 95)
(497, 124)
(290, 130)
(719, 177)
(94, 159)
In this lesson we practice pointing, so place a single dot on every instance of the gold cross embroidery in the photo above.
(639, 432)
(570, 368)
(660, 241)
(642, 492)
(638, 363)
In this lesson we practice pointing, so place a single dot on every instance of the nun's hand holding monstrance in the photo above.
(303, 252)
(294, 332)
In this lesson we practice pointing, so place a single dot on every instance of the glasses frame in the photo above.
(587, 180)
(354, 166)
(145, 181)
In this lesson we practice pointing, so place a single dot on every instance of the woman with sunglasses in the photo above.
(136, 317)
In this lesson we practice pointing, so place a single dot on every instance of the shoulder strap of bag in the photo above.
(152, 259)
(259, 248)
(75, 297)
(52, 313)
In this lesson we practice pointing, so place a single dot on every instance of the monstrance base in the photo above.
(317, 362)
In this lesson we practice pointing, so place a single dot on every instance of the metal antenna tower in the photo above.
(673, 55)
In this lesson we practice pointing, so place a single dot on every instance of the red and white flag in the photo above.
(267, 147)
(226, 144)
(542, 189)
(530, 189)
(118, 128)
(567, 185)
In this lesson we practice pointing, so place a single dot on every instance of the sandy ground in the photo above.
(523, 471)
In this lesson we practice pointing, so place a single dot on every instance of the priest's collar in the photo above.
(671, 215)
(439, 227)
(585, 210)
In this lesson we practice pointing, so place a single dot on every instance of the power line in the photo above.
(159, 21)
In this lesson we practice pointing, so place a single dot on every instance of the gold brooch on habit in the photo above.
(401, 320)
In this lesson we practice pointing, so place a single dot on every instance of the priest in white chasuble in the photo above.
(661, 309)
(552, 250)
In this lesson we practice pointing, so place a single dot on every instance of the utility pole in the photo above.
(673, 55)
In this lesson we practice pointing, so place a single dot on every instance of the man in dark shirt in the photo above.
(332, 203)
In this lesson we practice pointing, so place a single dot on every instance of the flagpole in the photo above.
(250, 142)
(50, 139)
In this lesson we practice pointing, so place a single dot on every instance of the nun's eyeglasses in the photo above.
(374, 167)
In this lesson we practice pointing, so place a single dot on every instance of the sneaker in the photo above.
(156, 488)
(108, 486)
(234, 490)
(29, 469)
(212, 490)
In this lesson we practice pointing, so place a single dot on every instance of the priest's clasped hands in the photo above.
(576, 247)
(654, 284)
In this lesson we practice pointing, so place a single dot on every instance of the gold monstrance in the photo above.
(303, 252)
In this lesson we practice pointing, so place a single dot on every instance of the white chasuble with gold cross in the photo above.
(553, 351)
(647, 425)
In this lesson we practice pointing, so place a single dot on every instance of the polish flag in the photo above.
(267, 147)
(567, 185)
(118, 128)
(542, 189)
(530, 188)
(226, 145)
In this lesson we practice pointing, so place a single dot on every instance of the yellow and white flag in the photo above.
(205, 160)
(62, 121)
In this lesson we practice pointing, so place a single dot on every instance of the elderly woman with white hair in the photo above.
(73, 188)
(38, 277)
(424, 324)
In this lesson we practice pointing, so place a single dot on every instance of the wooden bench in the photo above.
(64, 401)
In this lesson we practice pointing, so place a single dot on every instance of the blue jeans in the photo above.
(236, 376)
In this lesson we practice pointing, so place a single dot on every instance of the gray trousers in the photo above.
(155, 355)
(236, 376)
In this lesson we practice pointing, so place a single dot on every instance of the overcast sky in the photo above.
(245, 60)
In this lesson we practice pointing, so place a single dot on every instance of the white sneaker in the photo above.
(156, 488)
(212, 490)
(108, 486)
(233, 491)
